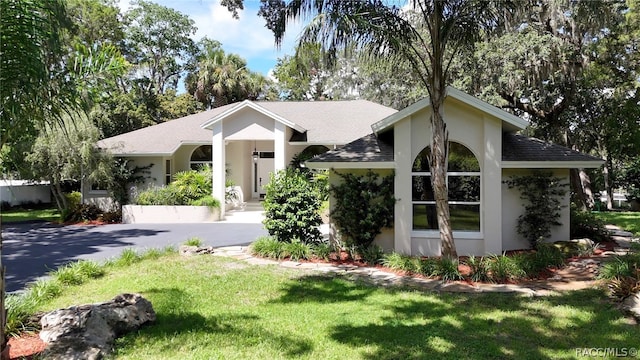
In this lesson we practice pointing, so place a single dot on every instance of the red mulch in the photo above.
(25, 346)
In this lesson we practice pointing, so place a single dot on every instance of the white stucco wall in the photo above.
(512, 208)
(479, 132)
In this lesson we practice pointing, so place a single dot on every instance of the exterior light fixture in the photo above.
(254, 155)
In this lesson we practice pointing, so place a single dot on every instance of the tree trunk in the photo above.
(608, 186)
(576, 186)
(586, 188)
(438, 165)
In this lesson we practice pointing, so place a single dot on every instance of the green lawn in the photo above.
(628, 220)
(218, 308)
(19, 215)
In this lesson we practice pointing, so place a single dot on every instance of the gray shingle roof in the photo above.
(521, 148)
(326, 122)
(369, 148)
(514, 148)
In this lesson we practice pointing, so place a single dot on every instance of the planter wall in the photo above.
(158, 214)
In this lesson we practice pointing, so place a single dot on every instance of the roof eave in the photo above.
(390, 120)
(350, 165)
(249, 104)
(552, 164)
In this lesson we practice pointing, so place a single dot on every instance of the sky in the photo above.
(247, 36)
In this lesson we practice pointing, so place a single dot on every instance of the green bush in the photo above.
(269, 247)
(622, 274)
(548, 255)
(447, 269)
(291, 207)
(397, 261)
(371, 255)
(188, 188)
(194, 241)
(503, 268)
(428, 267)
(541, 193)
(297, 250)
(364, 206)
(321, 251)
(479, 268)
(207, 200)
(585, 224)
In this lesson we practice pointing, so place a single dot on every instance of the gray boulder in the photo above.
(632, 305)
(88, 331)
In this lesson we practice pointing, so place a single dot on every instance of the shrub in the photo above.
(584, 224)
(479, 268)
(547, 255)
(83, 212)
(623, 275)
(364, 206)
(541, 193)
(188, 188)
(297, 250)
(371, 254)
(321, 250)
(194, 241)
(291, 207)
(447, 269)
(503, 268)
(268, 246)
(397, 261)
(428, 267)
(207, 200)
(112, 217)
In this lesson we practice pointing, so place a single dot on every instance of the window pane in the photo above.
(422, 190)
(464, 188)
(203, 153)
(424, 217)
(465, 217)
(421, 163)
(462, 159)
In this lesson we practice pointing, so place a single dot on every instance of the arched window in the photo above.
(463, 182)
(201, 156)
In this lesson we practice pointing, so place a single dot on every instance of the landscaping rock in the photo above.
(88, 331)
(187, 250)
(574, 245)
(631, 305)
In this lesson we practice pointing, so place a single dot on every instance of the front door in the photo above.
(263, 168)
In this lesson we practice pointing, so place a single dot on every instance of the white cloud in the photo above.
(246, 36)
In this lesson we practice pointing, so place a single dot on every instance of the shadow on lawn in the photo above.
(487, 326)
(175, 317)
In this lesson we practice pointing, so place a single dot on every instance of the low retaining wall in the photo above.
(158, 214)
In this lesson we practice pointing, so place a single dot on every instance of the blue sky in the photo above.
(246, 36)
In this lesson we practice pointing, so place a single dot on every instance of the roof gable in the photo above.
(476, 103)
(250, 104)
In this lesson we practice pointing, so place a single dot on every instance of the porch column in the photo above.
(491, 182)
(279, 142)
(218, 159)
(402, 186)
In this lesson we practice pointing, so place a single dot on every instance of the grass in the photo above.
(628, 220)
(219, 308)
(21, 215)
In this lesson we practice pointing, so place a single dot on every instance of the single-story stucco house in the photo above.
(249, 140)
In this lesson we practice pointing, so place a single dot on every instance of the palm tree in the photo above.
(30, 36)
(221, 78)
(428, 35)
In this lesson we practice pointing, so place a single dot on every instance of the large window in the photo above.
(463, 182)
(201, 156)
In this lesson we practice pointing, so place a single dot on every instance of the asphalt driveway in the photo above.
(31, 250)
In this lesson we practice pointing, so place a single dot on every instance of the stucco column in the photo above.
(402, 186)
(218, 154)
(491, 181)
(279, 143)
